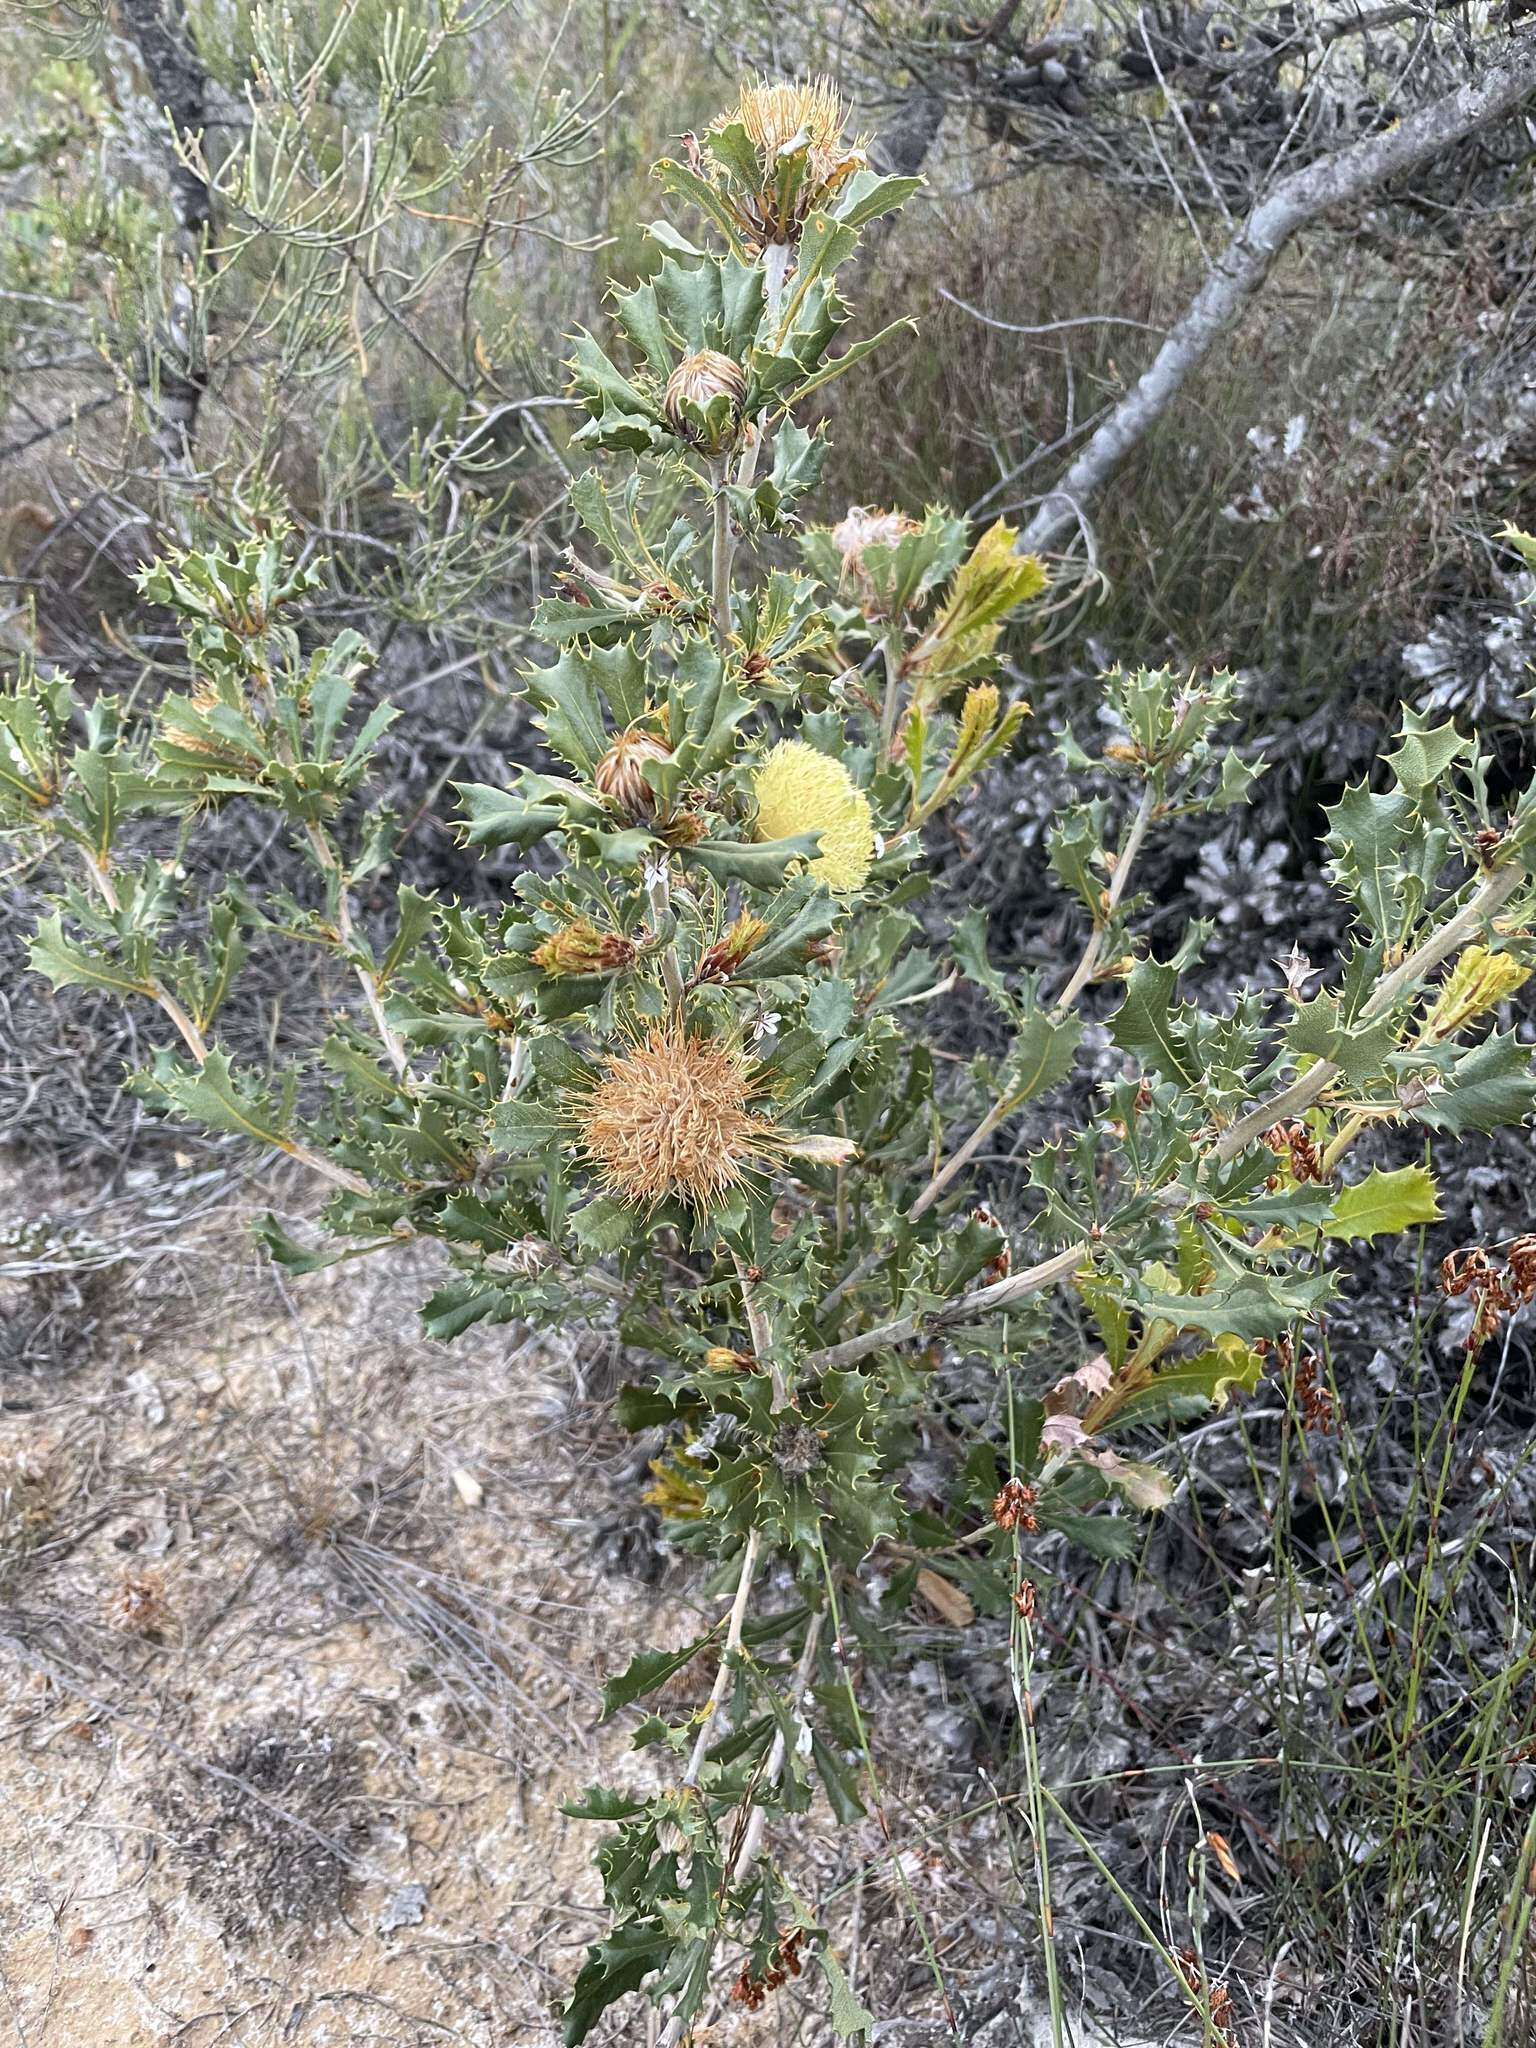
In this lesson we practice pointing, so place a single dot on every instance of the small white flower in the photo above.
(767, 1026)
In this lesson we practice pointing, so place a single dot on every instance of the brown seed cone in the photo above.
(618, 775)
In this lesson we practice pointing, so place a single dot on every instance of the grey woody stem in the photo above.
(1244, 265)
(721, 552)
(891, 650)
(1084, 972)
(963, 1309)
(752, 1841)
(328, 859)
(730, 1649)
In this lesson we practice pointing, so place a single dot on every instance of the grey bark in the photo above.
(179, 372)
(1239, 273)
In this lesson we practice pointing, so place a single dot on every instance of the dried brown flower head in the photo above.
(1294, 1142)
(1014, 1507)
(138, 1604)
(1314, 1396)
(1495, 1292)
(618, 775)
(797, 1450)
(672, 1119)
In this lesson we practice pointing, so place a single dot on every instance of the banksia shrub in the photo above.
(679, 1080)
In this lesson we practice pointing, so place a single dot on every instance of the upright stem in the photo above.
(891, 651)
(730, 1650)
(761, 1333)
(330, 861)
(658, 896)
(752, 1841)
(1088, 965)
(721, 551)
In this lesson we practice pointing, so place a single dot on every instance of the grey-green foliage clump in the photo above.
(681, 1077)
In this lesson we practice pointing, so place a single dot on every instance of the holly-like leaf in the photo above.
(1145, 1026)
(613, 1969)
(644, 1673)
(1317, 1030)
(69, 965)
(1425, 753)
(1459, 1088)
(1367, 833)
(1384, 1203)
(1191, 1386)
(849, 2018)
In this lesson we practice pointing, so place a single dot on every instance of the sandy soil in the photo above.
(247, 1505)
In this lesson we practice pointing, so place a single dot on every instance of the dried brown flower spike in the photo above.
(671, 1119)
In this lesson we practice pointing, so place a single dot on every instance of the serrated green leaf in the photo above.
(1145, 1027)
(849, 2018)
(1191, 1386)
(1384, 1203)
(1458, 1088)
(644, 1673)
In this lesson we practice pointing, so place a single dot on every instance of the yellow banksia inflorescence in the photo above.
(801, 790)
(781, 117)
(672, 1119)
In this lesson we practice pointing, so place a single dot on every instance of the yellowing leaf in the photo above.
(1384, 1203)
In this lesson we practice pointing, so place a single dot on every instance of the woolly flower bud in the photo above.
(861, 527)
(722, 1358)
(800, 790)
(725, 956)
(692, 389)
(786, 119)
(580, 948)
(618, 775)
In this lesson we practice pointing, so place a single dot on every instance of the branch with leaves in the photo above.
(680, 1079)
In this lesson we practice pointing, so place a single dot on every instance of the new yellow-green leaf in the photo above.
(1384, 1203)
